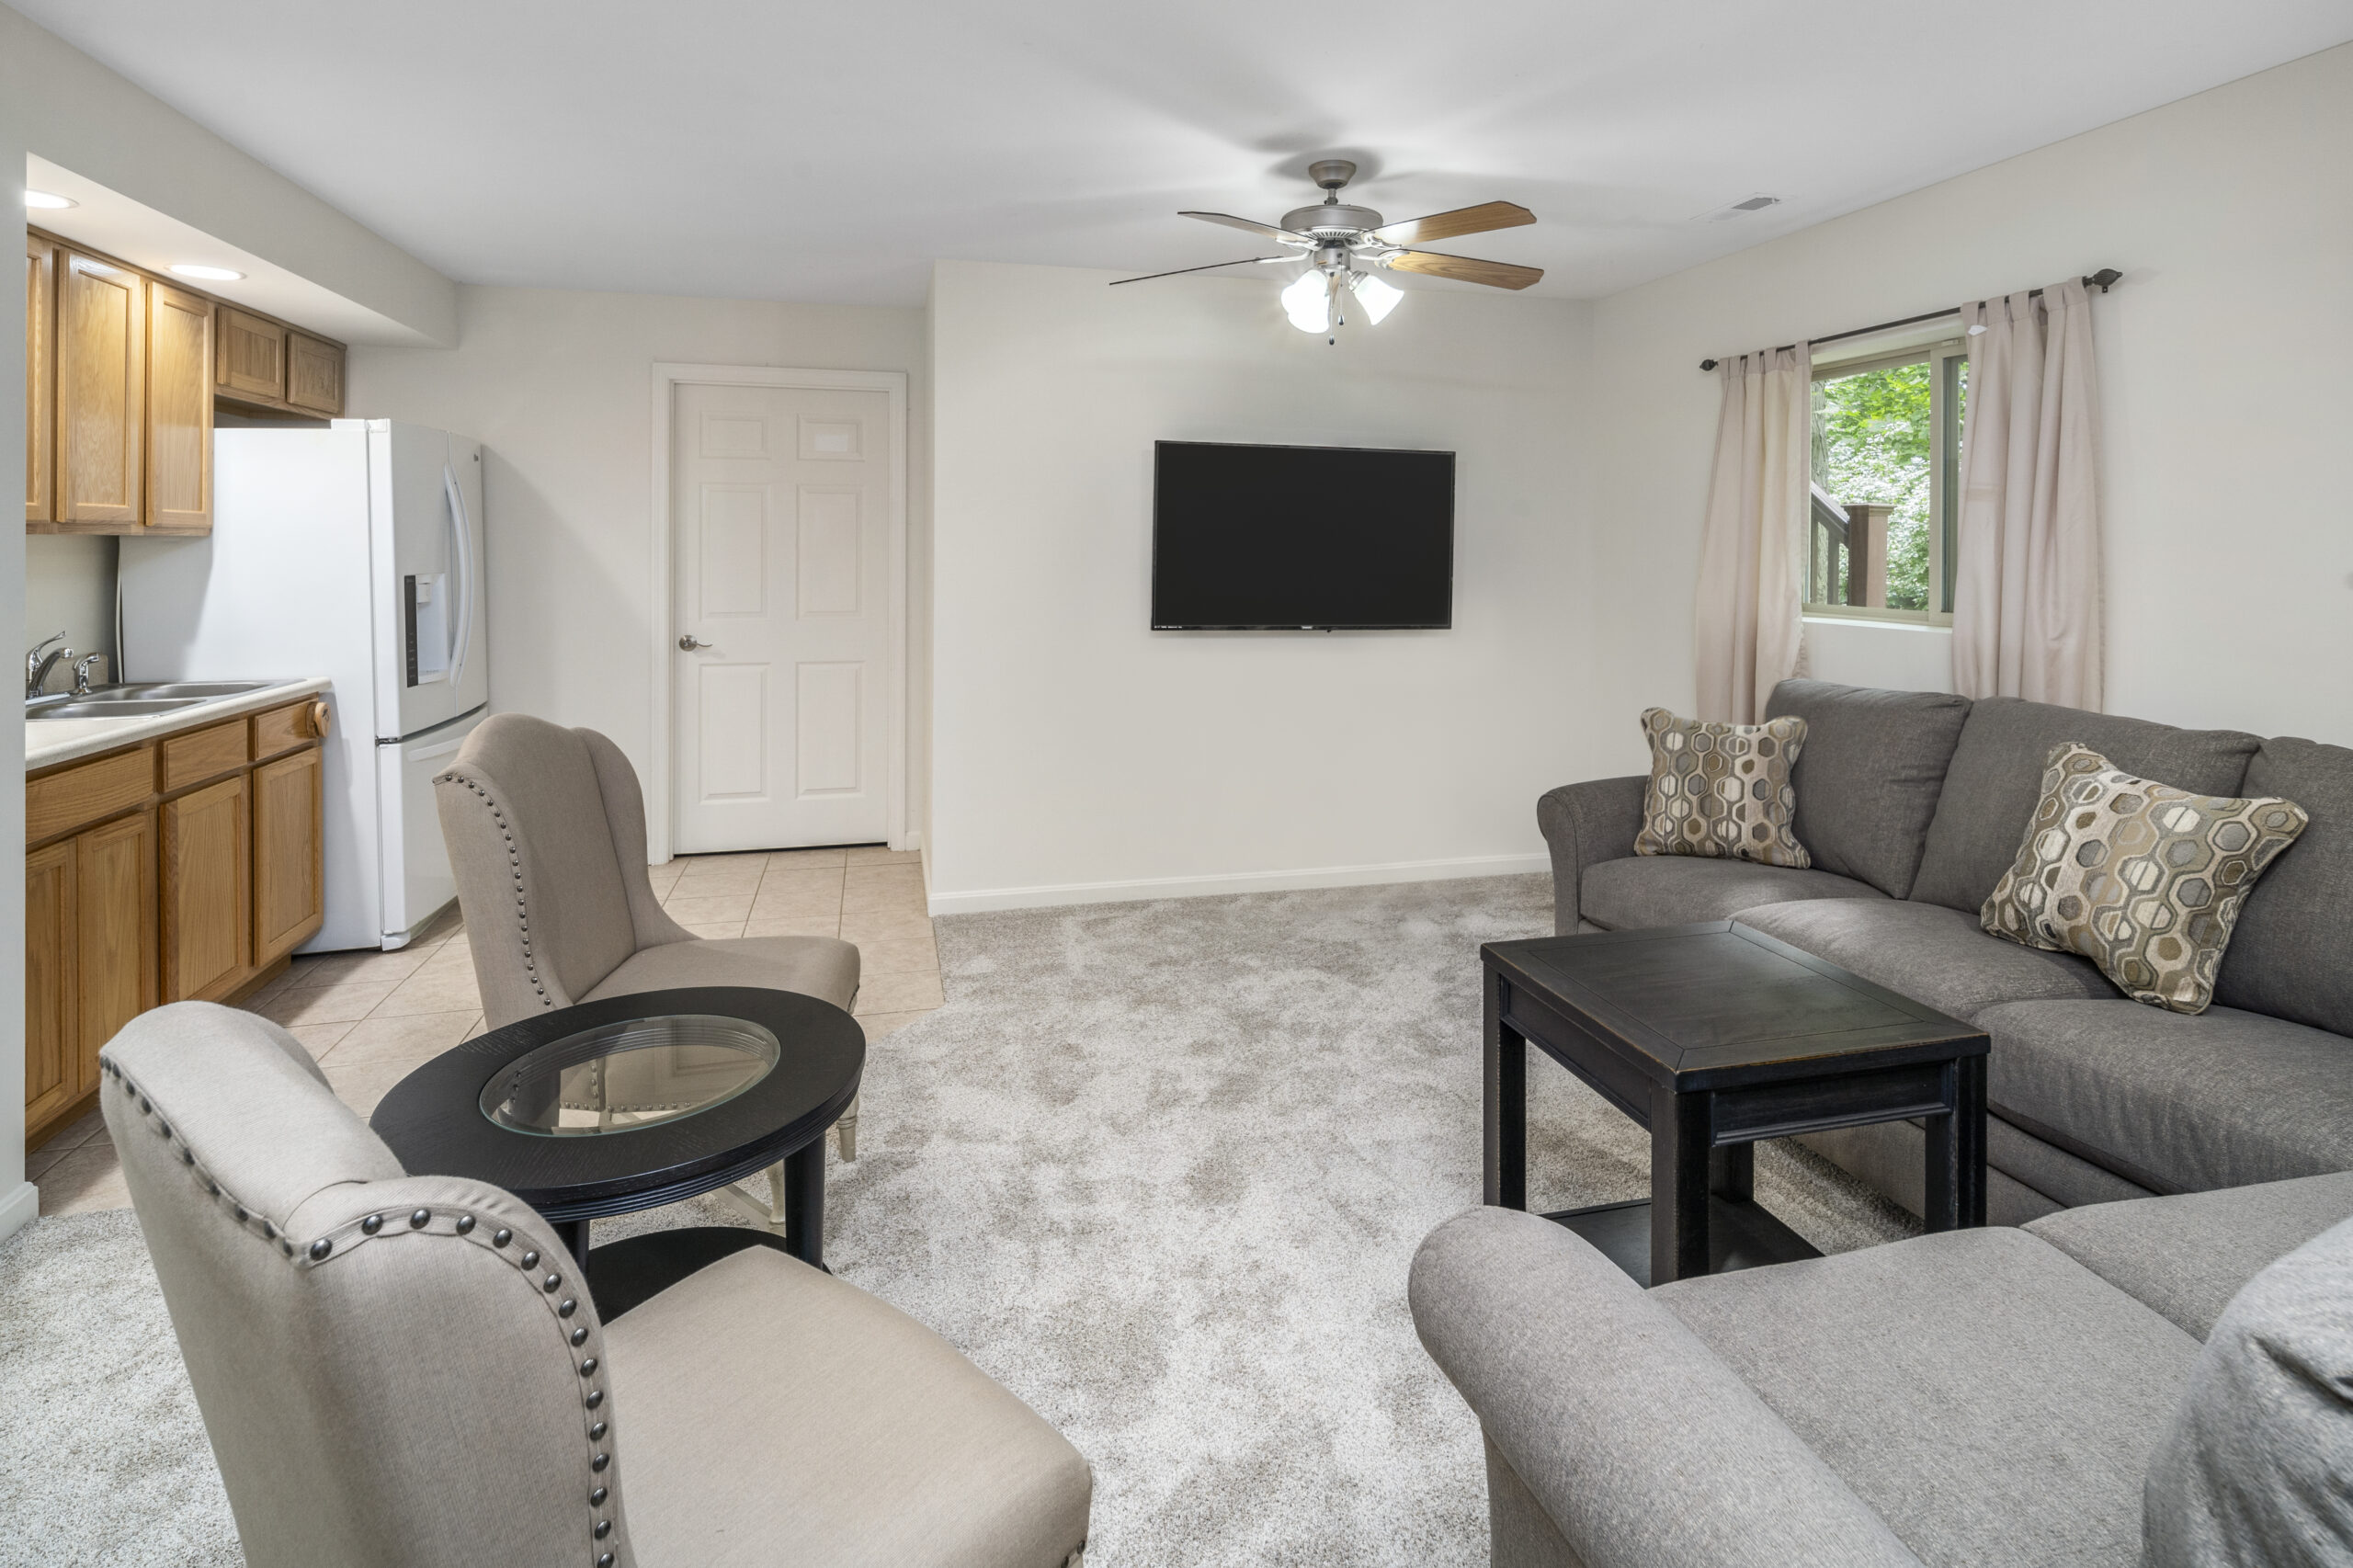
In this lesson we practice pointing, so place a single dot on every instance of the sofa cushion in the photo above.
(1721, 789)
(2289, 956)
(2175, 1103)
(1994, 1401)
(1680, 889)
(1927, 953)
(1868, 777)
(2252, 1470)
(2141, 879)
(2187, 1256)
(1997, 776)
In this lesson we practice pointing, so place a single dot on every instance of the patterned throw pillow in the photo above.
(1721, 789)
(2142, 878)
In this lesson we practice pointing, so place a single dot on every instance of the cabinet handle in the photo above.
(317, 719)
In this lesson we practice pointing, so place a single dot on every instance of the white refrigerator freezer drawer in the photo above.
(417, 881)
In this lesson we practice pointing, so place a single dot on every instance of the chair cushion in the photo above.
(772, 1414)
(1680, 889)
(822, 967)
(2175, 1103)
(1991, 1398)
(1997, 776)
(2288, 955)
(2252, 1468)
(1869, 777)
(1927, 953)
(2187, 1256)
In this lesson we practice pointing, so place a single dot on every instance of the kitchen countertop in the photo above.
(51, 741)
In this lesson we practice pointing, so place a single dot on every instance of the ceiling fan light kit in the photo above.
(1343, 244)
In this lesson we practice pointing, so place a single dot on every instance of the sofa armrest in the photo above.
(1587, 823)
(1641, 1446)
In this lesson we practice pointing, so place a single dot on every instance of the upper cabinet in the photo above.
(122, 371)
(101, 391)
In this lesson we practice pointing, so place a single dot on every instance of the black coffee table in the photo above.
(636, 1102)
(1712, 1036)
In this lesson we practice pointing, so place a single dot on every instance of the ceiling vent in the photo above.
(1740, 209)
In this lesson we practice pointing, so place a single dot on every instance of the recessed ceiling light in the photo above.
(45, 201)
(210, 274)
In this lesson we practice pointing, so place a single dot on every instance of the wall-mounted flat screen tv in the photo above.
(1306, 538)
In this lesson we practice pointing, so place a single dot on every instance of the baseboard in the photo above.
(18, 1209)
(1238, 881)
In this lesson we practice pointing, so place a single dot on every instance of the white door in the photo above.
(781, 674)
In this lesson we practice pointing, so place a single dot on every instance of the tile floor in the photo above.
(370, 1017)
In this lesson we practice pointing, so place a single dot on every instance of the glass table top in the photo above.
(636, 1073)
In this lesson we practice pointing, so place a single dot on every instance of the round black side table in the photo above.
(636, 1102)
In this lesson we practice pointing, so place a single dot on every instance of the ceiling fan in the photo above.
(1342, 244)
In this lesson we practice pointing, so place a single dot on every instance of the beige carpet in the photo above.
(1160, 1168)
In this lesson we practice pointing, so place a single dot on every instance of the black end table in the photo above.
(634, 1102)
(1712, 1036)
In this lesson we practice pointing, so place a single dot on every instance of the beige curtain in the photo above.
(2025, 604)
(1751, 551)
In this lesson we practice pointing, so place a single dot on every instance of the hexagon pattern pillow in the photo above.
(2144, 879)
(1721, 789)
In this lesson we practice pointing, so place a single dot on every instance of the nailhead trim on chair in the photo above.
(515, 866)
(347, 1238)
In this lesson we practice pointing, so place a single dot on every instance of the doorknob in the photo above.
(689, 642)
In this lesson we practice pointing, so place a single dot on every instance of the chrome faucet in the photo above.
(82, 672)
(40, 661)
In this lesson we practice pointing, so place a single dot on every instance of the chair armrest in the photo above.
(1587, 823)
(1641, 1446)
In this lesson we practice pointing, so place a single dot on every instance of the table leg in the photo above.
(804, 1202)
(1679, 1171)
(1956, 1152)
(575, 1236)
(1505, 1161)
(1731, 1172)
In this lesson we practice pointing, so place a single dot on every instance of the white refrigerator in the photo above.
(355, 552)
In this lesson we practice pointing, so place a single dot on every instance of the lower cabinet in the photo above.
(135, 896)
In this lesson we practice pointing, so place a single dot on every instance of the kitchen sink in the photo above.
(196, 690)
(111, 708)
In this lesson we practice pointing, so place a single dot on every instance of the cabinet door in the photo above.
(313, 374)
(114, 926)
(49, 984)
(206, 892)
(251, 355)
(289, 897)
(179, 410)
(40, 378)
(101, 393)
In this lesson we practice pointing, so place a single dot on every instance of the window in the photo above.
(1886, 484)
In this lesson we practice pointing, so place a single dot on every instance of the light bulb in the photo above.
(1379, 296)
(1308, 302)
(45, 201)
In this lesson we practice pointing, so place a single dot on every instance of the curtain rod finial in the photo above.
(2104, 279)
(1707, 364)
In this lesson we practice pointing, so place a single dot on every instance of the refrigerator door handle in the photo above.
(461, 633)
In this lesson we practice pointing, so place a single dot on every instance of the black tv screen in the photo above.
(1300, 537)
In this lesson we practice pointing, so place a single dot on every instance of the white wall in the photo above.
(1079, 754)
(18, 1202)
(68, 584)
(2226, 374)
(557, 386)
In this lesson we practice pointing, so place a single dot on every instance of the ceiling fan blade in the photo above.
(1461, 220)
(1251, 225)
(1466, 269)
(1212, 267)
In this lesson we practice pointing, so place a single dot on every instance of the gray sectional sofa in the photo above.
(1912, 804)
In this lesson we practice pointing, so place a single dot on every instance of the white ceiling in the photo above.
(778, 149)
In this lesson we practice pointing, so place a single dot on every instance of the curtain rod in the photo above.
(2104, 279)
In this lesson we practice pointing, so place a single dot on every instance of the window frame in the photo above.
(1944, 476)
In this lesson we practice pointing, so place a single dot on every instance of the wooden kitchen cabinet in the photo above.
(313, 374)
(179, 411)
(101, 392)
(41, 376)
(207, 894)
(252, 352)
(187, 867)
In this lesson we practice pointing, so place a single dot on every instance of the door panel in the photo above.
(101, 365)
(40, 378)
(49, 982)
(206, 892)
(179, 410)
(290, 895)
(114, 921)
(781, 504)
(252, 356)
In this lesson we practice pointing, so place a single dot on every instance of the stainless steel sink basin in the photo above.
(121, 708)
(198, 690)
(138, 698)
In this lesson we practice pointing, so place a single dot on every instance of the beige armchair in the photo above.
(546, 830)
(398, 1369)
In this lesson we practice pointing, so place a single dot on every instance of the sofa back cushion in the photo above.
(1997, 778)
(2289, 957)
(2252, 1466)
(1868, 777)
